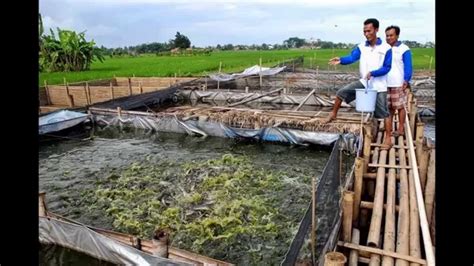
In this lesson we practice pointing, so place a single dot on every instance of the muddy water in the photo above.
(70, 167)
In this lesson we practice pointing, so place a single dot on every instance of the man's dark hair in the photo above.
(396, 28)
(372, 21)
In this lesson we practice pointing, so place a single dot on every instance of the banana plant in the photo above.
(69, 52)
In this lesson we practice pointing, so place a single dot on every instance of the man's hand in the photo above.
(405, 85)
(368, 76)
(335, 61)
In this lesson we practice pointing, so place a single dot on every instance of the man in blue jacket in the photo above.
(375, 58)
(398, 78)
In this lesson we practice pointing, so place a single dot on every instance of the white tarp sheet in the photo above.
(85, 240)
(254, 70)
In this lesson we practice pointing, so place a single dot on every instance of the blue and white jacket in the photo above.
(402, 68)
(377, 60)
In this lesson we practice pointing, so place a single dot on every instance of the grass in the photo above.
(232, 61)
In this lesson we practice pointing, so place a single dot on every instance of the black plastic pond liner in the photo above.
(328, 212)
(141, 100)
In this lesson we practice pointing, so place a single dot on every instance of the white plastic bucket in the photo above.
(365, 100)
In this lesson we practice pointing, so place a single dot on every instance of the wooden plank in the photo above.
(381, 252)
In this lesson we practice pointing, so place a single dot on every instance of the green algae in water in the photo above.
(225, 208)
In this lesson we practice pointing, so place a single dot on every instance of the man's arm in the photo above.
(407, 66)
(353, 57)
(385, 68)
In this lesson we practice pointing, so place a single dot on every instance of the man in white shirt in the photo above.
(398, 78)
(375, 62)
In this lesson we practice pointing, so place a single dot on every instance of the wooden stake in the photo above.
(140, 86)
(347, 207)
(260, 73)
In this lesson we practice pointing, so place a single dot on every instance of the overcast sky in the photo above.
(118, 23)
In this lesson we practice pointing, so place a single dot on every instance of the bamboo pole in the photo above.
(375, 155)
(373, 238)
(423, 165)
(313, 219)
(251, 99)
(129, 87)
(370, 205)
(358, 173)
(389, 232)
(364, 217)
(334, 259)
(430, 186)
(367, 141)
(347, 207)
(412, 118)
(419, 134)
(382, 252)
(375, 158)
(85, 95)
(88, 89)
(414, 219)
(420, 202)
(112, 91)
(119, 111)
(409, 101)
(354, 254)
(69, 96)
(374, 260)
(48, 97)
(43, 210)
(404, 213)
(304, 100)
(220, 68)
